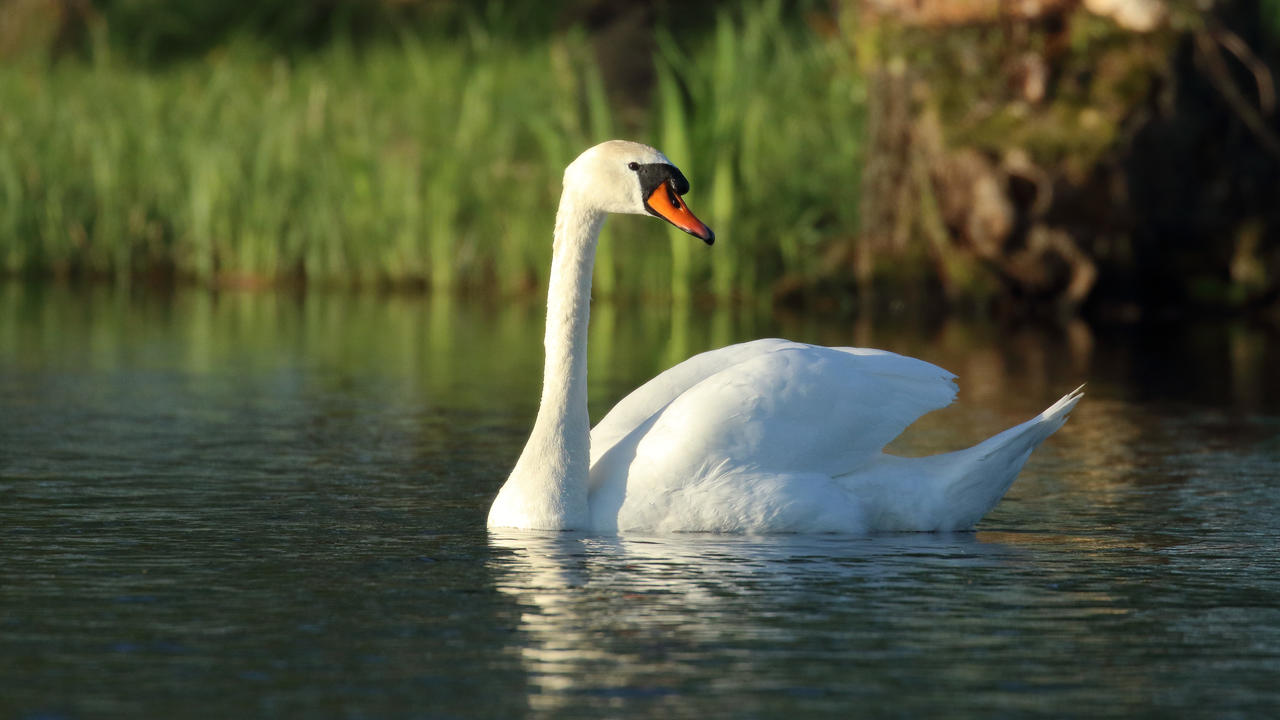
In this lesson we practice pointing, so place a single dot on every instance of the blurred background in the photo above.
(1117, 159)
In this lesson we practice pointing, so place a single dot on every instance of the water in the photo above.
(266, 505)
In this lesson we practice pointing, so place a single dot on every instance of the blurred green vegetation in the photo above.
(420, 158)
(846, 153)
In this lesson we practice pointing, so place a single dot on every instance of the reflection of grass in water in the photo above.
(423, 353)
(427, 352)
(431, 161)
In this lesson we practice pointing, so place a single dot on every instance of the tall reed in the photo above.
(775, 125)
(426, 160)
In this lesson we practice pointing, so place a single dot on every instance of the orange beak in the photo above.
(667, 204)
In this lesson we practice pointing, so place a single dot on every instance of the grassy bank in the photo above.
(422, 161)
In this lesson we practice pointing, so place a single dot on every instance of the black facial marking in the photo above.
(654, 174)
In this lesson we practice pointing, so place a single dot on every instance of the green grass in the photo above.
(423, 161)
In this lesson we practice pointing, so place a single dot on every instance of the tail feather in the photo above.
(1031, 433)
(952, 491)
(990, 467)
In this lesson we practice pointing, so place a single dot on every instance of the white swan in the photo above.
(765, 436)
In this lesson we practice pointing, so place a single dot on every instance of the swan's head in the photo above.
(626, 177)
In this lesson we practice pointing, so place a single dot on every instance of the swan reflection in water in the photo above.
(664, 619)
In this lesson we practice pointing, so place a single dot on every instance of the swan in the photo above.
(759, 437)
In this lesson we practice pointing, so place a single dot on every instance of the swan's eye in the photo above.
(633, 165)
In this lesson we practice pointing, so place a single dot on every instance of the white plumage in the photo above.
(764, 436)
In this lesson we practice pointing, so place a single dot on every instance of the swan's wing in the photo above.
(645, 401)
(786, 407)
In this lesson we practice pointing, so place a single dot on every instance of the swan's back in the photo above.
(895, 388)
(759, 412)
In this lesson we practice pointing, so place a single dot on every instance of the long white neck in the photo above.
(547, 490)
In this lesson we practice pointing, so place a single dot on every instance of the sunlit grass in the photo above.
(422, 162)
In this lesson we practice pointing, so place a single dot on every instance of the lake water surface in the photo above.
(221, 505)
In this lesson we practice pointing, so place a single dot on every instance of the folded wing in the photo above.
(767, 405)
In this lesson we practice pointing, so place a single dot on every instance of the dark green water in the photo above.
(270, 506)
